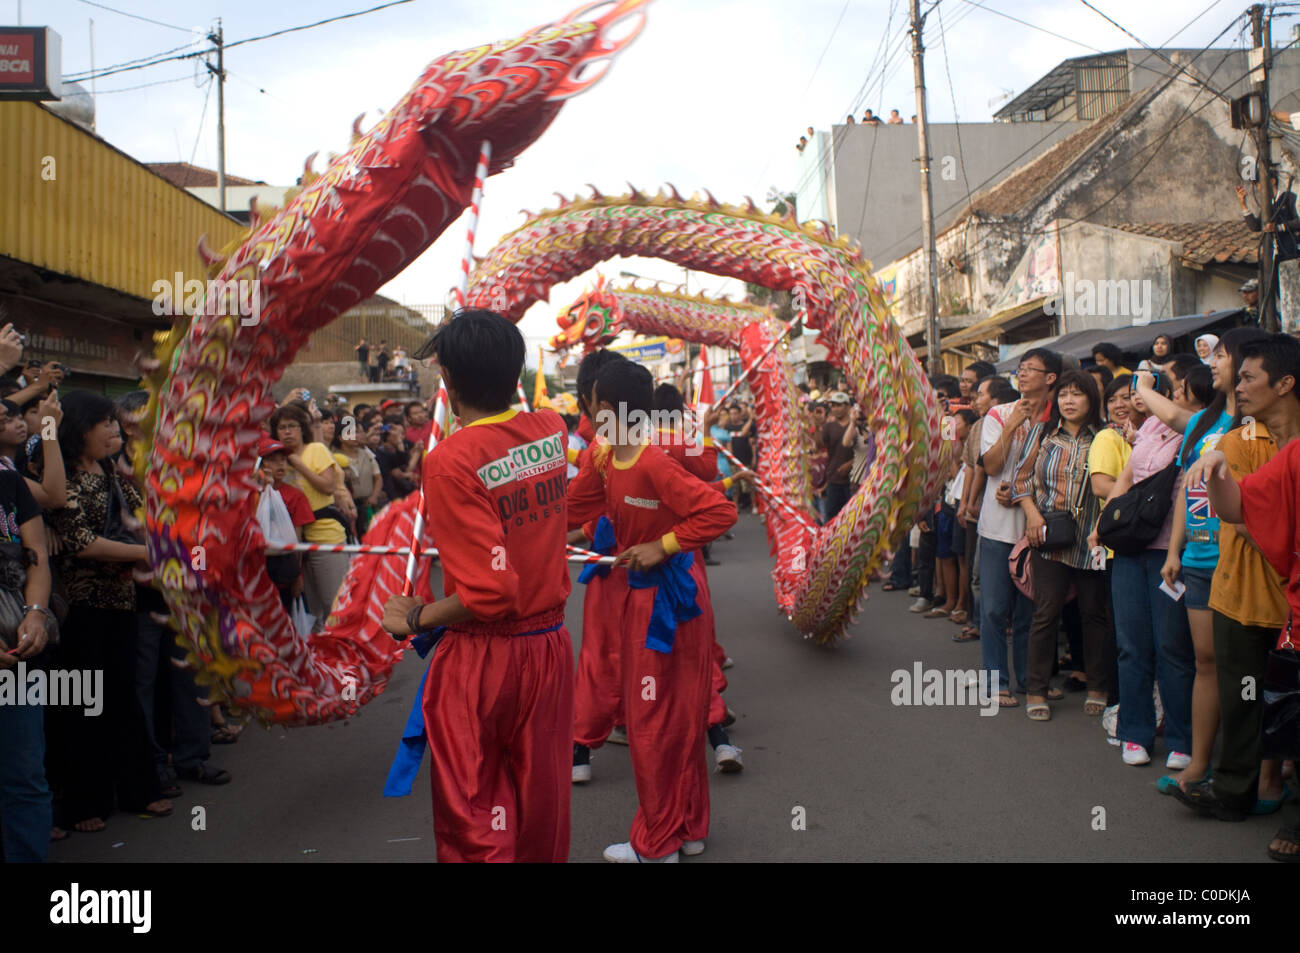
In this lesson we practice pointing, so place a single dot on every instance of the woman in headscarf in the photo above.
(1205, 345)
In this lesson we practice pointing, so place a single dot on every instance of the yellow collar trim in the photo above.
(618, 465)
(496, 418)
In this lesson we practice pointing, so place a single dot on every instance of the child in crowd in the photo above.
(285, 569)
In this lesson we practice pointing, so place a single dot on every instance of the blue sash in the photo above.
(674, 598)
(410, 752)
(604, 544)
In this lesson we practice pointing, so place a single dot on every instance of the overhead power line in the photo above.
(134, 16)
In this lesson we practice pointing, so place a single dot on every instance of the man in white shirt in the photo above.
(1001, 525)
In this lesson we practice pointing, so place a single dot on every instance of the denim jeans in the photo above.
(25, 812)
(1155, 647)
(900, 573)
(837, 494)
(1001, 603)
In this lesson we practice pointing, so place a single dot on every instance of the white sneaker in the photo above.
(728, 759)
(1110, 722)
(692, 848)
(618, 736)
(921, 604)
(624, 854)
(727, 663)
(581, 773)
(1177, 760)
(1135, 754)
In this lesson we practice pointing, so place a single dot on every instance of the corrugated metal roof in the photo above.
(75, 205)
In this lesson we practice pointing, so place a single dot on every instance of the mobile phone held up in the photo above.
(1155, 384)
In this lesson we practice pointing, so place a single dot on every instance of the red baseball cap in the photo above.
(268, 445)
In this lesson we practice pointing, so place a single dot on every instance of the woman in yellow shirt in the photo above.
(314, 471)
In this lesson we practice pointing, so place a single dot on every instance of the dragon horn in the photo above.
(595, 63)
(595, 193)
(356, 128)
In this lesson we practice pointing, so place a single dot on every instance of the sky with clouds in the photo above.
(713, 94)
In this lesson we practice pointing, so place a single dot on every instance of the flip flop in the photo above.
(1055, 694)
(1292, 836)
(966, 636)
(1008, 700)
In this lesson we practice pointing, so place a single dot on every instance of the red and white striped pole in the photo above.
(769, 493)
(574, 554)
(442, 408)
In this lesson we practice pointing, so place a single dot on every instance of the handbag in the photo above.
(1130, 523)
(14, 560)
(114, 526)
(1021, 568)
(1062, 530)
(1280, 695)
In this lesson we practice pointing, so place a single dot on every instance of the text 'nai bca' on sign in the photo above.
(30, 63)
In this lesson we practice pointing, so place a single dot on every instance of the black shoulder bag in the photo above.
(1131, 522)
(1062, 530)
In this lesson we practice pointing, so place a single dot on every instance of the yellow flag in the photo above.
(539, 387)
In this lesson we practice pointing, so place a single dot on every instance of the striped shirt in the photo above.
(1053, 472)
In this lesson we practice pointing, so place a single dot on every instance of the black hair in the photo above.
(982, 369)
(627, 386)
(1198, 383)
(1180, 365)
(1001, 390)
(668, 397)
(1116, 385)
(133, 401)
(1051, 359)
(1103, 374)
(1110, 352)
(946, 385)
(298, 414)
(1279, 356)
(587, 373)
(82, 412)
(1082, 382)
(1168, 340)
(967, 415)
(1232, 342)
(406, 408)
(482, 356)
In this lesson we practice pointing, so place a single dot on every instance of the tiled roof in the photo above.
(1028, 182)
(1224, 243)
(186, 176)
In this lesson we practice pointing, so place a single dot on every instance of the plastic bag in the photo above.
(273, 518)
(302, 619)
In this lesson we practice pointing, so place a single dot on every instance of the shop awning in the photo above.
(1131, 340)
(989, 327)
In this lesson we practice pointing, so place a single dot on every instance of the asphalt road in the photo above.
(875, 781)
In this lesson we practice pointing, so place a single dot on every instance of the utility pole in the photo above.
(935, 361)
(217, 39)
(1260, 62)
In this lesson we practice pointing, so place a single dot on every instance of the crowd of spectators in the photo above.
(1182, 468)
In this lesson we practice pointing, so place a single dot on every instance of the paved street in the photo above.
(878, 782)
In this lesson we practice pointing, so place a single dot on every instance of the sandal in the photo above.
(1007, 700)
(959, 616)
(1055, 694)
(938, 612)
(90, 830)
(968, 634)
(226, 734)
(58, 834)
(1289, 835)
(1094, 706)
(889, 587)
(1039, 712)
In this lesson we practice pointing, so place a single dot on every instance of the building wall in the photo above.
(1099, 260)
(79, 207)
(876, 176)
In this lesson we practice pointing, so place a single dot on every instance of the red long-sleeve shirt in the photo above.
(494, 496)
(649, 498)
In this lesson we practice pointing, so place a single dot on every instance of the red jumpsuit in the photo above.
(498, 700)
(665, 695)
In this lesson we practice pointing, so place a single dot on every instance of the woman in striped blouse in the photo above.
(1052, 475)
